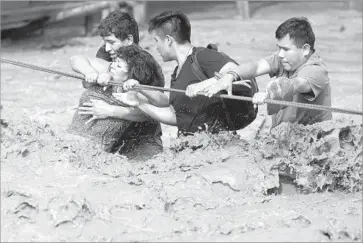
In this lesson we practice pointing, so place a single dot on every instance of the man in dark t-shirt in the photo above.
(199, 113)
(171, 33)
(118, 29)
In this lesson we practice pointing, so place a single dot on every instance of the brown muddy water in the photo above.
(59, 187)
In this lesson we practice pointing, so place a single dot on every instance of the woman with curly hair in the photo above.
(106, 117)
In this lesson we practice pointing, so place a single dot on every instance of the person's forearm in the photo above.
(253, 69)
(246, 71)
(156, 98)
(128, 113)
(164, 115)
(81, 64)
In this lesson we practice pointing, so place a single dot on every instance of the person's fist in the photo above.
(104, 78)
(259, 98)
(130, 84)
(91, 77)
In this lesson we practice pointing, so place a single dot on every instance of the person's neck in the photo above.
(182, 51)
(290, 73)
(310, 54)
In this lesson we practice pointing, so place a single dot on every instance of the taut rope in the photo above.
(224, 96)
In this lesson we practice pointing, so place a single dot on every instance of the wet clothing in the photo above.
(114, 134)
(316, 73)
(198, 113)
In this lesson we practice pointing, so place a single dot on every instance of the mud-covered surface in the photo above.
(214, 187)
(294, 184)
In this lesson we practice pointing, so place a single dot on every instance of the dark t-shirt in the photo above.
(199, 113)
(138, 130)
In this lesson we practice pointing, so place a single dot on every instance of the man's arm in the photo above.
(227, 67)
(194, 89)
(253, 69)
(164, 115)
(128, 113)
(154, 97)
(246, 71)
(89, 67)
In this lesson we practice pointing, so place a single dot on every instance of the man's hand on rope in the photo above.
(224, 83)
(246, 83)
(198, 88)
(99, 109)
(259, 98)
(104, 78)
(91, 77)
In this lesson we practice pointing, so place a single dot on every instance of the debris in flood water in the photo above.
(325, 156)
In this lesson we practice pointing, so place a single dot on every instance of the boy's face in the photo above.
(112, 44)
(162, 46)
(119, 70)
(292, 57)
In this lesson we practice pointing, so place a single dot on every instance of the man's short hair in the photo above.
(175, 24)
(141, 65)
(120, 24)
(299, 30)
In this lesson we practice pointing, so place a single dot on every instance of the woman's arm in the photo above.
(101, 110)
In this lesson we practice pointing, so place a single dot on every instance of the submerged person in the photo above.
(106, 119)
(301, 76)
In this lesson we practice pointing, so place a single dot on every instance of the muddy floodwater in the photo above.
(294, 184)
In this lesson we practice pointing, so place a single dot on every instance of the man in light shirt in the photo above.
(301, 76)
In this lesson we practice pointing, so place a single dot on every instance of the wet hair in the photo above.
(141, 65)
(120, 24)
(299, 30)
(175, 24)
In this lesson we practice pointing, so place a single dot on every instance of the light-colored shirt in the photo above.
(313, 71)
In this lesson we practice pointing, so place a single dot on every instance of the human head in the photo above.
(168, 30)
(132, 62)
(117, 30)
(295, 39)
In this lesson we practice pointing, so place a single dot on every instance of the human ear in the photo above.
(306, 49)
(169, 39)
(130, 39)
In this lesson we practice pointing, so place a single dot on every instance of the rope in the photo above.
(224, 96)
(26, 65)
(269, 101)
